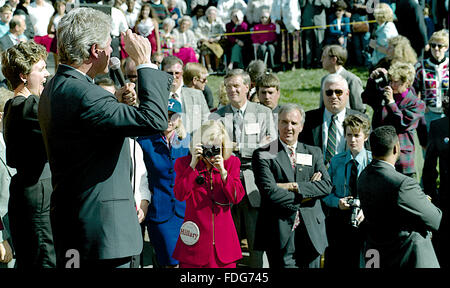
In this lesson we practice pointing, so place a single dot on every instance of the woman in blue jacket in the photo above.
(165, 213)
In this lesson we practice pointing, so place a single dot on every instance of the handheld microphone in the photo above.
(114, 65)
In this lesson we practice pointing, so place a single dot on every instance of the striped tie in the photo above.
(331, 142)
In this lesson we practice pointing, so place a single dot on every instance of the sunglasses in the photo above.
(175, 73)
(338, 92)
(434, 45)
(201, 80)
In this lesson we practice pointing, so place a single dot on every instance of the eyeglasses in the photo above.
(175, 73)
(201, 80)
(264, 17)
(338, 92)
(434, 45)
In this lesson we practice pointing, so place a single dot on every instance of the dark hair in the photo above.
(383, 140)
(340, 4)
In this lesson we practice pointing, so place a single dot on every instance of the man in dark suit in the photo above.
(437, 149)
(84, 129)
(333, 60)
(398, 215)
(330, 118)
(292, 178)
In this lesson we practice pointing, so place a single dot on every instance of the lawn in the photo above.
(300, 86)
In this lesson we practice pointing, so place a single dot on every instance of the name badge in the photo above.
(304, 159)
(189, 233)
(251, 128)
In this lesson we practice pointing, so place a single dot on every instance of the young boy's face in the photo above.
(6, 16)
(339, 13)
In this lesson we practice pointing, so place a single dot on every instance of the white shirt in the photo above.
(142, 191)
(340, 137)
(118, 22)
(40, 17)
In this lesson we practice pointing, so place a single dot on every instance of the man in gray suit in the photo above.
(6, 172)
(333, 60)
(398, 215)
(16, 28)
(251, 126)
(313, 14)
(193, 103)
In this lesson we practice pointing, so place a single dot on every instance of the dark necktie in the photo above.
(353, 179)
(331, 142)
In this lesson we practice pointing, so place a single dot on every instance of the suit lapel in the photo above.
(284, 162)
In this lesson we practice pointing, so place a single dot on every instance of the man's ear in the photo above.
(93, 51)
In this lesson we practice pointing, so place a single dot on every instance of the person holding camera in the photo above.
(345, 215)
(209, 181)
(394, 103)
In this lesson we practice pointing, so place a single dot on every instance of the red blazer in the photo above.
(214, 221)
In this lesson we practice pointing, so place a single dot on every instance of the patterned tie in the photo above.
(176, 97)
(353, 179)
(331, 142)
(238, 122)
(292, 156)
(296, 221)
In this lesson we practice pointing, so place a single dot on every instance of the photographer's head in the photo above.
(439, 44)
(357, 130)
(401, 76)
(335, 93)
(80, 41)
(384, 144)
(212, 134)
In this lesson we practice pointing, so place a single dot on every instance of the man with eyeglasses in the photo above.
(193, 103)
(324, 126)
(195, 76)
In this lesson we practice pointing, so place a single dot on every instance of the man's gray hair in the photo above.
(334, 78)
(241, 73)
(286, 108)
(78, 30)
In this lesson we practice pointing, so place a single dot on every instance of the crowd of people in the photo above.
(88, 163)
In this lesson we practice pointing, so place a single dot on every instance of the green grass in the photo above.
(300, 86)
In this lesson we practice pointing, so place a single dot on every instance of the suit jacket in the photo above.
(437, 148)
(6, 42)
(312, 130)
(398, 216)
(313, 12)
(159, 161)
(272, 165)
(251, 139)
(84, 129)
(217, 230)
(355, 87)
(6, 174)
(193, 105)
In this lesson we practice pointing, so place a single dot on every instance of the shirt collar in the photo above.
(286, 145)
(340, 115)
(243, 108)
(360, 158)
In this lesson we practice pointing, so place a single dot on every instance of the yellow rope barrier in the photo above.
(302, 28)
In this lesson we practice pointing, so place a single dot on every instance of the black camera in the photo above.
(355, 205)
(210, 151)
(381, 81)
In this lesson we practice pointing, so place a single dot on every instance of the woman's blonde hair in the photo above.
(440, 36)
(404, 72)
(403, 51)
(383, 13)
(210, 132)
(180, 130)
(223, 97)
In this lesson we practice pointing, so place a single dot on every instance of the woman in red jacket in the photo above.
(209, 182)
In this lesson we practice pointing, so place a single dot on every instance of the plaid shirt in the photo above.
(404, 115)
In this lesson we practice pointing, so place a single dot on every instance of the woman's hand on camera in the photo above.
(197, 155)
(376, 73)
(217, 161)
(388, 94)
